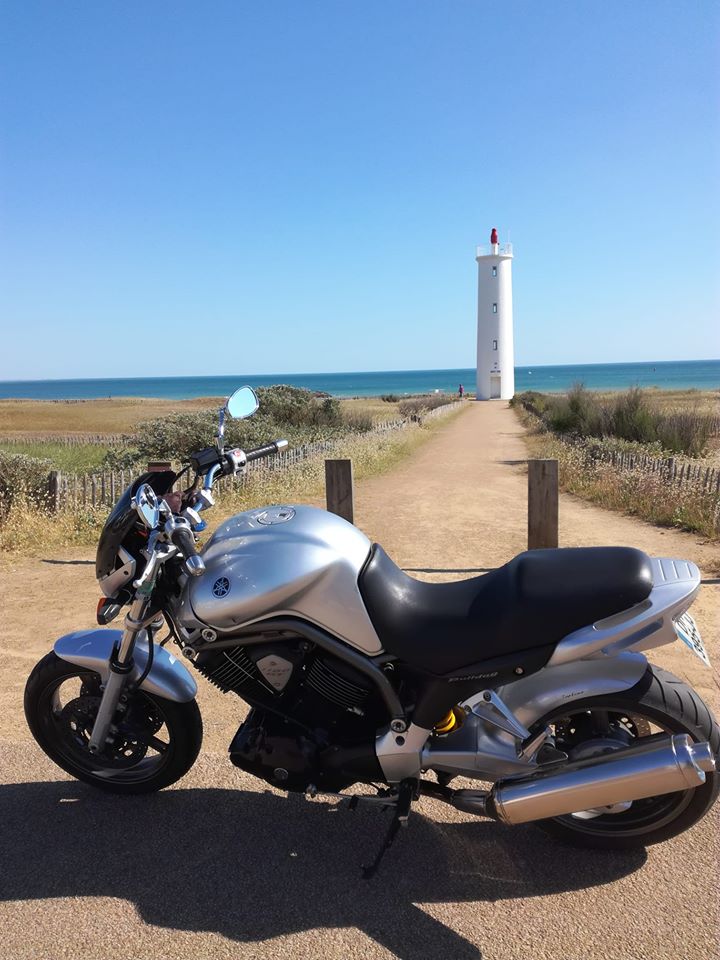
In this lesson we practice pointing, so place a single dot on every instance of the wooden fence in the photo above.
(670, 469)
(67, 439)
(75, 491)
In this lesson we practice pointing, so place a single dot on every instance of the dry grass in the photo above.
(702, 401)
(373, 407)
(632, 492)
(370, 454)
(121, 415)
(29, 527)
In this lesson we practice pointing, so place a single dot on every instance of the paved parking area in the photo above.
(221, 866)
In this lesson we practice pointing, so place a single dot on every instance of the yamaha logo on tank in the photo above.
(221, 587)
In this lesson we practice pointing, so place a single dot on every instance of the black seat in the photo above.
(535, 600)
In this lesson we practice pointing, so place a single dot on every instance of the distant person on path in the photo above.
(461, 391)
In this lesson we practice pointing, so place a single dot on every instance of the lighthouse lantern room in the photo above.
(495, 353)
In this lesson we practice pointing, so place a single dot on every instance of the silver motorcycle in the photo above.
(532, 677)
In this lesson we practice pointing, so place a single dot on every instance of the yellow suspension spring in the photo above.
(450, 722)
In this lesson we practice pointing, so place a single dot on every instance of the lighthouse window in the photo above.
(494, 308)
(494, 271)
(494, 344)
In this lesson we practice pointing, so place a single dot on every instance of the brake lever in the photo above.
(157, 553)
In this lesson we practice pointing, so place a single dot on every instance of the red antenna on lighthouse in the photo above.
(493, 236)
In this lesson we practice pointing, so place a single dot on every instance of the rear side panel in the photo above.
(292, 560)
(646, 625)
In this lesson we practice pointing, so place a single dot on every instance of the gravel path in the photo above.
(222, 867)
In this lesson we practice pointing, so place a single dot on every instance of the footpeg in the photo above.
(489, 707)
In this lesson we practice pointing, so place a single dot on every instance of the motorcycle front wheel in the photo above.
(154, 743)
(659, 703)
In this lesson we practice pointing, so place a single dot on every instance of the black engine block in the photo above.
(292, 758)
(314, 718)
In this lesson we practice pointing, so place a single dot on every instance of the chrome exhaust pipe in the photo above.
(645, 770)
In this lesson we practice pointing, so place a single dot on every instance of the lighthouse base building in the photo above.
(495, 352)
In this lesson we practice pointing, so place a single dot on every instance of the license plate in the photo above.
(686, 629)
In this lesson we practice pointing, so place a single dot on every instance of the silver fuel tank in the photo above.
(283, 560)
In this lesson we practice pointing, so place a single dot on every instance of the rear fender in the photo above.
(168, 677)
(548, 689)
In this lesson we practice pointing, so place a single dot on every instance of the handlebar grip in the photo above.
(267, 450)
(182, 537)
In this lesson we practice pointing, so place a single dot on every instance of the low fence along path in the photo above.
(221, 866)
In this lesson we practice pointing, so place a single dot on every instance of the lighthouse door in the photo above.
(494, 387)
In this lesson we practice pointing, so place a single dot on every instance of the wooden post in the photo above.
(54, 491)
(542, 504)
(339, 488)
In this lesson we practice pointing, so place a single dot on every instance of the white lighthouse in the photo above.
(495, 353)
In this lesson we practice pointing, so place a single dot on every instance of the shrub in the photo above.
(627, 416)
(416, 406)
(390, 397)
(632, 418)
(687, 431)
(297, 407)
(21, 478)
(121, 458)
(292, 413)
(357, 421)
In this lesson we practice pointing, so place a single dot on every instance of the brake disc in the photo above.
(126, 746)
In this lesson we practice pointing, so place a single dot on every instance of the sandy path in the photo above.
(222, 867)
(459, 506)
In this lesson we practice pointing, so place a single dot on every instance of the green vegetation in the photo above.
(636, 492)
(290, 413)
(72, 458)
(610, 449)
(632, 415)
(26, 525)
(22, 478)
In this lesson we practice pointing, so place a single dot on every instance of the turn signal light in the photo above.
(107, 610)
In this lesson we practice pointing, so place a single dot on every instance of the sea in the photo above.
(664, 375)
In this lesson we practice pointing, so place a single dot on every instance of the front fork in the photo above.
(121, 667)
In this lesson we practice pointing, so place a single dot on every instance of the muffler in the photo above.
(645, 770)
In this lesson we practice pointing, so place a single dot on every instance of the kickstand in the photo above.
(406, 794)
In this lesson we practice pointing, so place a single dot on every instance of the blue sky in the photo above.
(229, 187)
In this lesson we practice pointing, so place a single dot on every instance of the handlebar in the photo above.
(182, 537)
(267, 450)
(210, 463)
(236, 459)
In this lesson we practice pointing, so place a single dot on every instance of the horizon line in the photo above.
(345, 373)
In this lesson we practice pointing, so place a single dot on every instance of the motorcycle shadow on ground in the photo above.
(256, 865)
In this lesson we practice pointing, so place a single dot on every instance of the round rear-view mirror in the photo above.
(147, 506)
(242, 404)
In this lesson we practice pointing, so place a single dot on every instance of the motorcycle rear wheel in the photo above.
(659, 700)
(156, 743)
